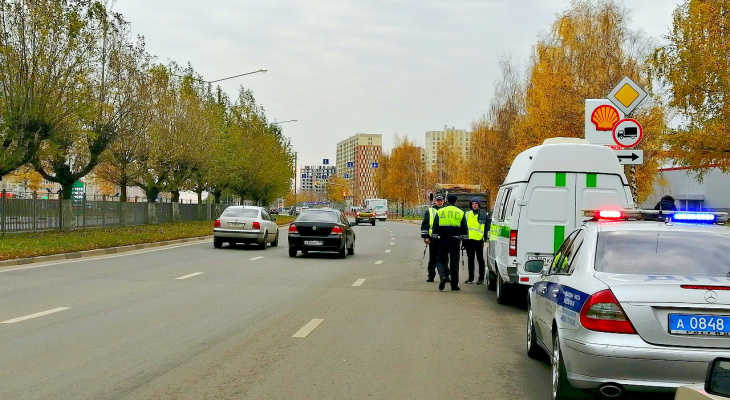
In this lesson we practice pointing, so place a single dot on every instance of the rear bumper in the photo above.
(329, 243)
(633, 363)
(253, 235)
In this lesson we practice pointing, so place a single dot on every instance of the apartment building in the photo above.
(316, 173)
(357, 158)
(433, 138)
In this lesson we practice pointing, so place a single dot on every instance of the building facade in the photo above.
(311, 174)
(433, 138)
(712, 194)
(357, 158)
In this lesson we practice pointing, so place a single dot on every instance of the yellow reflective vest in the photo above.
(431, 214)
(476, 230)
(450, 216)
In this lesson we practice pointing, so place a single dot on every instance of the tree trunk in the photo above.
(152, 214)
(176, 212)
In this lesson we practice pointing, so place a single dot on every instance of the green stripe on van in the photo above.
(591, 180)
(560, 179)
(558, 237)
(496, 231)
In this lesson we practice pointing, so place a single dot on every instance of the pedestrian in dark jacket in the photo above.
(428, 237)
(666, 204)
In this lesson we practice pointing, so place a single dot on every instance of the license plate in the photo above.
(546, 260)
(236, 224)
(687, 324)
(313, 242)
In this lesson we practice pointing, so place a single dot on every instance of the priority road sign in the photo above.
(630, 157)
(627, 132)
(627, 95)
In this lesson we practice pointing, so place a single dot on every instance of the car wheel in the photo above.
(533, 349)
(351, 249)
(343, 251)
(562, 389)
(217, 243)
(501, 286)
(292, 251)
(262, 243)
(276, 239)
(373, 222)
(491, 280)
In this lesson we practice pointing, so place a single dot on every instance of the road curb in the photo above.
(98, 252)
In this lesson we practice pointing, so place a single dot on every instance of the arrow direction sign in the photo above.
(630, 157)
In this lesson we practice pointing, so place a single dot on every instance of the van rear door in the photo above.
(547, 216)
(602, 192)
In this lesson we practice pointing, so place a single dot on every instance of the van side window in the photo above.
(561, 261)
(503, 203)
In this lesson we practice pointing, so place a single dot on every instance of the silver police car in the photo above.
(633, 301)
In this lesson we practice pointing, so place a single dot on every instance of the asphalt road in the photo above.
(194, 322)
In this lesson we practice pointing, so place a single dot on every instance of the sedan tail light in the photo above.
(337, 230)
(603, 313)
(513, 243)
(217, 223)
(256, 225)
(293, 229)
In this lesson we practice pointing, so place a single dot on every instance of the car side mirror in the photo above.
(534, 266)
(718, 377)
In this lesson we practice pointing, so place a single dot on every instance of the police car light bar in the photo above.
(612, 214)
(694, 217)
(677, 216)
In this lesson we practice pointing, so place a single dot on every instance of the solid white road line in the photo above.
(255, 258)
(308, 328)
(359, 282)
(190, 276)
(387, 251)
(36, 315)
(378, 262)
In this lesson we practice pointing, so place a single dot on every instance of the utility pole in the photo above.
(295, 179)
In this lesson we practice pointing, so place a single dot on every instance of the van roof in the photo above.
(564, 157)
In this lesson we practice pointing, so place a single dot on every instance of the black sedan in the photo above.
(321, 229)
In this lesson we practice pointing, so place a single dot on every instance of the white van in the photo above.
(379, 207)
(542, 200)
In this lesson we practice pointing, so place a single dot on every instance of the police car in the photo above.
(633, 301)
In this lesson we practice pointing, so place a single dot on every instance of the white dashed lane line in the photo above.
(378, 262)
(387, 251)
(36, 315)
(255, 258)
(189, 276)
(392, 244)
(359, 282)
(308, 328)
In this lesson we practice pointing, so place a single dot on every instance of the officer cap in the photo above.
(438, 197)
(451, 199)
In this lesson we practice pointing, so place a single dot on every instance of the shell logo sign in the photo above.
(604, 117)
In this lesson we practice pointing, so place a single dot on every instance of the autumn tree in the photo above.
(337, 186)
(27, 177)
(405, 179)
(696, 67)
(452, 164)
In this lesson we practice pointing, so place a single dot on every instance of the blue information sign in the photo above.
(350, 164)
(304, 176)
(375, 165)
(347, 176)
(326, 161)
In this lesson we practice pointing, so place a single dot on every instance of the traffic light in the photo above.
(316, 182)
(344, 193)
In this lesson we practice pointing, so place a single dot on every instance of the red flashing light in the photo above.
(603, 313)
(217, 223)
(513, 243)
(610, 214)
(337, 230)
(256, 225)
(293, 229)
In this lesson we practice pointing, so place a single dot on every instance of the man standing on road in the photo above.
(428, 237)
(449, 226)
(476, 219)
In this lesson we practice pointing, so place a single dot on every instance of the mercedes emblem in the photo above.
(710, 296)
(314, 228)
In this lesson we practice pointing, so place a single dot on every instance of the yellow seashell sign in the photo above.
(604, 117)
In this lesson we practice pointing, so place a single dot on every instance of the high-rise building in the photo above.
(357, 158)
(433, 138)
(311, 174)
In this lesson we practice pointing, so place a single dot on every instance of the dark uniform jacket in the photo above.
(450, 234)
(426, 223)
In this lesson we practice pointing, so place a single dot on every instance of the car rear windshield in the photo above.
(240, 212)
(318, 216)
(665, 253)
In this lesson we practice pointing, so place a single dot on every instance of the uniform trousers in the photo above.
(433, 246)
(448, 260)
(475, 248)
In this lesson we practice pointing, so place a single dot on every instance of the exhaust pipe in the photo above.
(611, 390)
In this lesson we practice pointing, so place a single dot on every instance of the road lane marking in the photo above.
(387, 251)
(36, 315)
(359, 282)
(378, 262)
(190, 276)
(392, 244)
(255, 258)
(308, 328)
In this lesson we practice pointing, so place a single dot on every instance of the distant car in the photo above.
(321, 229)
(245, 224)
(632, 301)
(365, 215)
(274, 210)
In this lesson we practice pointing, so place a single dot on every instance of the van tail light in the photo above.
(357, 214)
(337, 230)
(293, 229)
(386, 213)
(217, 223)
(513, 243)
(603, 313)
(256, 225)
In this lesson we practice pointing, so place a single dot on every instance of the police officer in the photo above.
(428, 237)
(474, 245)
(449, 226)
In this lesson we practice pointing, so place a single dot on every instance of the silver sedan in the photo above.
(630, 304)
(245, 224)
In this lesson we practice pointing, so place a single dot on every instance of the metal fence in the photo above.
(33, 212)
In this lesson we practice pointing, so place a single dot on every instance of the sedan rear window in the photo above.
(240, 212)
(664, 253)
(319, 216)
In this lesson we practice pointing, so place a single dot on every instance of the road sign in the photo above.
(600, 116)
(627, 132)
(304, 176)
(347, 176)
(630, 157)
(326, 161)
(375, 165)
(627, 95)
(350, 164)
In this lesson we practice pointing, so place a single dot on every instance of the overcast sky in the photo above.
(341, 67)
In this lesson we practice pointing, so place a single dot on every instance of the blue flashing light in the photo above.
(694, 217)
